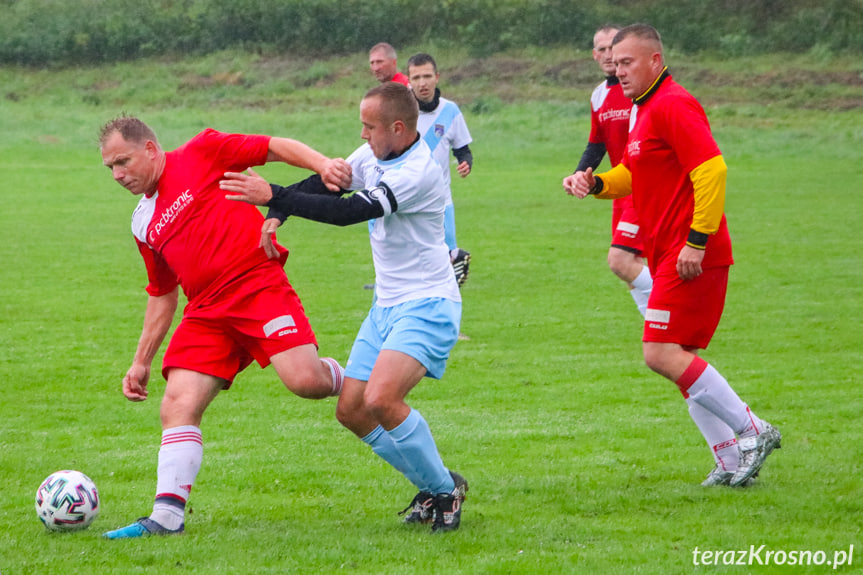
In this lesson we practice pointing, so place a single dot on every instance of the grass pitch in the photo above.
(579, 459)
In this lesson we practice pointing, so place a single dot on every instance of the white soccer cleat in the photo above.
(717, 476)
(753, 451)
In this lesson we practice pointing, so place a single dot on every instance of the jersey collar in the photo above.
(395, 155)
(431, 105)
(653, 87)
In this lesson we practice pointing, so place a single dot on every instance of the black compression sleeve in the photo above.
(311, 185)
(274, 213)
(592, 157)
(463, 154)
(333, 209)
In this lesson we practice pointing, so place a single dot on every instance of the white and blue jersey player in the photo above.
(414, 321)
(441, 124)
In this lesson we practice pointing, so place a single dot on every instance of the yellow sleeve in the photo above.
(616, 183)
(708, 181)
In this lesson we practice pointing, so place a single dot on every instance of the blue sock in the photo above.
(413, 440)
(449, 227)
(382, 444)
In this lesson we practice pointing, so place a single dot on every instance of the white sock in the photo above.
(337, 372)
(712, 392)
(641, 288)
(179, 462)
(720, 438)
(168, 516)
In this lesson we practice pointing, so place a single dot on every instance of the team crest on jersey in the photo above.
(439, 130)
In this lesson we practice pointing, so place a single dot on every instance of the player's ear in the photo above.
(152, 148)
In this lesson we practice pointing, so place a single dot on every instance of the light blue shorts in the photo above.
(425, 329)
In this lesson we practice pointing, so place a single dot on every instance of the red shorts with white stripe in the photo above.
(625, 231)
(685, 312)
(251, 319)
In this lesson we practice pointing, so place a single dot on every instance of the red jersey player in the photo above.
(609, 132)
(676, 175)
(383, 62)
(241, 306)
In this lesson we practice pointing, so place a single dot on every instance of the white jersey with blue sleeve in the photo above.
(444, 129)
(410, 255)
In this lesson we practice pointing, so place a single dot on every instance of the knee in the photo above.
(176, 410)
(354, 417)
(312, 381)
(654, 358)
(380, 402)
(346, 415)
(619, 264)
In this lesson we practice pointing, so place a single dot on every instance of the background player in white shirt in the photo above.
(442, 126)
(414, 321)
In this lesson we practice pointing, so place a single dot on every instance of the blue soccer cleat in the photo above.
(143, 527)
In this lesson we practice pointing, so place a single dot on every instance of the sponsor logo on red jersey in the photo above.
(170, 214)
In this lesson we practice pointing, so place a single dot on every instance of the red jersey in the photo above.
(609, 119)
(401, 79)
(609, 125)
(187, 232)
(670, 137)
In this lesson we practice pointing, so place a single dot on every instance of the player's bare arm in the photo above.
(157, 321)
(335, 172)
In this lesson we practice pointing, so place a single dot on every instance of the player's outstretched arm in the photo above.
(250, 188)
(336, 172)
(157, 321)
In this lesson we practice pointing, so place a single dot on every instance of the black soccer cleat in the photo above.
(447, 506)
(421, 509)
(461, 266)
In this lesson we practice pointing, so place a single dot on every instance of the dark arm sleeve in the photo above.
(311, 185)
(463, 154)
(592, 157)
(331, 208)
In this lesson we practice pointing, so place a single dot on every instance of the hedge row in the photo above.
(59, 32)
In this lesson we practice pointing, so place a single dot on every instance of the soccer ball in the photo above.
(67, 501)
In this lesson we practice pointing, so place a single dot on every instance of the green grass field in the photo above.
(580, 460)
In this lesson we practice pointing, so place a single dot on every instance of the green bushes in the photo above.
(56, 32)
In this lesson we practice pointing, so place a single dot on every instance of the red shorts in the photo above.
(685, 312)
(625, 231)
(253, 318)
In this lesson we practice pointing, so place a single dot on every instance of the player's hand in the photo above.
(250, 188)
(268, 237)
(135, 382)
(336, 174)
(463, 169)
(580, 183)
(689, 263)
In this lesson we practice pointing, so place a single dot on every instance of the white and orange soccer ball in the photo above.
(67, 501)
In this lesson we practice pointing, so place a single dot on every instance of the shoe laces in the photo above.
(419, 502)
